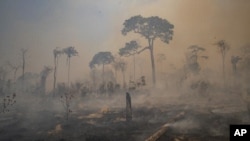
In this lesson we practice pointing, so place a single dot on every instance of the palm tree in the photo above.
(69, 51)
(56, 52)
(223, 48)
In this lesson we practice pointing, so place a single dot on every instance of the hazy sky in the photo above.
(95, 25)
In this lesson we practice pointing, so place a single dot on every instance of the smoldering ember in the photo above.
(138, 70)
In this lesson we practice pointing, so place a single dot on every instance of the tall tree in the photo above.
(56, 52)
(23, 51)
(101, 58)
(223, 48)
(130, 49)
(69, 51)
(150, 28)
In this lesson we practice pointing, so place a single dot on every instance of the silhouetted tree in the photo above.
(56, 52)
(130, 49)
(245, 53)
(193, 56)
(69, 51)
(66, 100)
(101, 58)
(151, 28)
(223, 48)
(234, 61)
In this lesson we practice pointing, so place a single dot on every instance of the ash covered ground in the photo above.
(102, 117)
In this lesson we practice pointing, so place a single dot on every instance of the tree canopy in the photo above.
(129, 49)
(70, 51)
(150, 28)
(223, 47)
(101, 58)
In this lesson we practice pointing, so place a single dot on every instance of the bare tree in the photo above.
(223, 48)
(56, 52)
(15, 68)
(130, 49)
(151, 28)
(69, 51)
(101, 58)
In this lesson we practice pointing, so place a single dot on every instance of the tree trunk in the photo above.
(55, 71)
(116, 75)
(94, 78)
(124, 81)
(23, 67)
(151, 49)
(128, 108)
(223, 70)
(103, 73)
(134, 67)
(68, 71)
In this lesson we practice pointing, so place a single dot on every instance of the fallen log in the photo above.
(164, 128)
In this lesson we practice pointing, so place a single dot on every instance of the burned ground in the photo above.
(103, 118)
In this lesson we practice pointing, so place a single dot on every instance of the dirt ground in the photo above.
(41, 121)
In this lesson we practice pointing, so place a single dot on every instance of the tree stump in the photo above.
(128, 107)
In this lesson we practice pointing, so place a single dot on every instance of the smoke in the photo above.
(98, 29)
